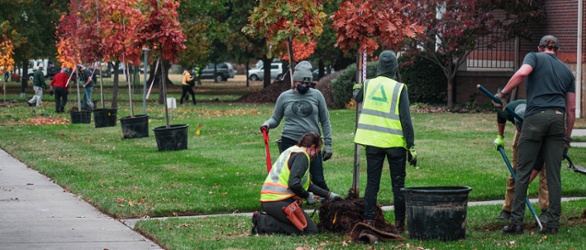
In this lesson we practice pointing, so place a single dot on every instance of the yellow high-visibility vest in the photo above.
(276, 185)
(379, 123)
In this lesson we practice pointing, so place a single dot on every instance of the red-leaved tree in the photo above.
(364, 25)
(161, 32)
(452, 28)
(281, 22)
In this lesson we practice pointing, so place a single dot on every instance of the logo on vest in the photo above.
(378, 95)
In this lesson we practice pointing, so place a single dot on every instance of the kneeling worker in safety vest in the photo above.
(385, 129)
(288, 182)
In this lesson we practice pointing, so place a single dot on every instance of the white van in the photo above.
(257, 73)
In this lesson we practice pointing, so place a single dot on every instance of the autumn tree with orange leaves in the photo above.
(6, 60)
(287, 26)
(161, 32)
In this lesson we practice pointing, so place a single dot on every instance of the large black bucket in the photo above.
(81, 117)
(172, 138)
(105, 117)
(437, 213)
(135, 127)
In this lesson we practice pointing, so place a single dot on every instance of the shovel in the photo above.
(265, 135)
(502, 151)
(571, 165)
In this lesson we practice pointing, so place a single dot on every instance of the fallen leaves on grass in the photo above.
(40, 120)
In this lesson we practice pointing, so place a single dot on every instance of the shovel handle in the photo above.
(265, 135)
(491, 96)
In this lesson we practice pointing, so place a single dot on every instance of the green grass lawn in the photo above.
(224, 166)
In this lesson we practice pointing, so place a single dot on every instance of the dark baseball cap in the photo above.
(549, 39)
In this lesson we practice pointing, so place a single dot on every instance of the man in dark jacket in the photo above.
(38, 85)
(87, 79)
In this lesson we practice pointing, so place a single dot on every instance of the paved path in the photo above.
(35, 213)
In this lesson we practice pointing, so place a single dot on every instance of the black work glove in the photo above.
(327, 153)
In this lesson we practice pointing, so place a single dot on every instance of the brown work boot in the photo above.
(400, 225)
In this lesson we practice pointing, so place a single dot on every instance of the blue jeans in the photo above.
(375, 158)
(87, 98)
(316, 169)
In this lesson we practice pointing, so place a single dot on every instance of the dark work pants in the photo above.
(316, 169)
(375, 158)
(187, 89)
(275, 210)
(542, 132)
(60, 99)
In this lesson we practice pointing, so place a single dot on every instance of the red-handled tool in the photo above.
(265, 136)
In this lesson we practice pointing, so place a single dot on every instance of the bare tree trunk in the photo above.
(24, 78)
(115, 86)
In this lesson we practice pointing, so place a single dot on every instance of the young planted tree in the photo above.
(118, 24)
(361, 25)
(6, 60)
(452, 28)
(162, 33)
(68, 42)
(281, 22)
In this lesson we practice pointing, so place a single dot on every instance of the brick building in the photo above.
(562, 22)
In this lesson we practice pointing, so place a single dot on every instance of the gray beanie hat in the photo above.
(302, 74)
(303, 64)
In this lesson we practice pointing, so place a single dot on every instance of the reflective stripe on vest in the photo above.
(379, 123)
(276, 185)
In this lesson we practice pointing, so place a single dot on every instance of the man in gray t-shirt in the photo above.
(549, 120)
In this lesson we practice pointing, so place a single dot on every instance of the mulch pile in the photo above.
(342, 215)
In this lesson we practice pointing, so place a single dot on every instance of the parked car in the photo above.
(257, 73)
(223, 72)
(315, 73)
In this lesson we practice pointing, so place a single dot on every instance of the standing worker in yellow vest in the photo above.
(384, 127)
(287, 182)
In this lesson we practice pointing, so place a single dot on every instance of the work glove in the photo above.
(327, 153)
(502, 97)
(412, 156)
(310, 199)
(499, 142)
(333, 196)
(264, 126)
(567, 141)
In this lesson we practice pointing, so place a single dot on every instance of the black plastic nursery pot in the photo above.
(135, 127)
(81, 117)
(172, 138)
(436, 213)
(105, 117)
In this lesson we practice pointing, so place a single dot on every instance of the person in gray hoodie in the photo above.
(303, 109)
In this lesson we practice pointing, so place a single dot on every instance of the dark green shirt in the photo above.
(39, 78)
(503, 115)
(548, 83)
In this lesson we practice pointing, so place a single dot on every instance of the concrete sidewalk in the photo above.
(36, 213)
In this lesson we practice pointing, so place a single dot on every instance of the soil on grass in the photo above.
(340, 216)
